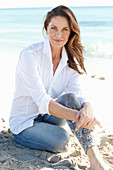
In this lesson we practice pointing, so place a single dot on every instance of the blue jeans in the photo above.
(48, 133)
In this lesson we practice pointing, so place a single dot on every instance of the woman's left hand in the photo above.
(85, 118)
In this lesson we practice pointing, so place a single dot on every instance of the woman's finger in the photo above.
(86, 122)
(79, 123)
(76, 118)
(90, 123)
(98, 123)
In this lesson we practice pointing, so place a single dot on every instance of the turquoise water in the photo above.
(22, 27)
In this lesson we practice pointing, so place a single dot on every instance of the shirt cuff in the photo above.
(44, 104)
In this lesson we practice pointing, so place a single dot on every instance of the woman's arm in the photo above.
(84, 118)
(29, 73)
(60, 111)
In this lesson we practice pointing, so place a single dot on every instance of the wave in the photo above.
(101, 49)
(96, 23)
(31, 29)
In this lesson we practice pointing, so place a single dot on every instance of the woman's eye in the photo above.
(65, 29)
(53, 28)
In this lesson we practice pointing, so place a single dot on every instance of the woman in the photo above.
(46, 70)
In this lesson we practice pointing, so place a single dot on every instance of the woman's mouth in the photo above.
(56, 40)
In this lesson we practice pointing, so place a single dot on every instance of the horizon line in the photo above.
(56, 6)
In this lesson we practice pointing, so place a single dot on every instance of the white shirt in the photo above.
(36, 85)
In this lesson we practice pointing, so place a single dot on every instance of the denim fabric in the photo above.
(85, 136)
(48, 133)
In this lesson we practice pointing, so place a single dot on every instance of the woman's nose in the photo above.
(59, 33)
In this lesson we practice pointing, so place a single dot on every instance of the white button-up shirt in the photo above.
(36, 84)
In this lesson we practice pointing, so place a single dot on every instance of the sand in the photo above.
(13, 156)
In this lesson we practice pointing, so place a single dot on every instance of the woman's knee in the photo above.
(61, 143)
(69, 100)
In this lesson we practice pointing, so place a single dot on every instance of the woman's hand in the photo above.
(85, 118)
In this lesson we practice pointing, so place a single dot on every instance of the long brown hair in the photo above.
(73, 47)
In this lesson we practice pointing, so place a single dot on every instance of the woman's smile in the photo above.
(58, 41)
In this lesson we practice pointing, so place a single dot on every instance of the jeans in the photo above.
(48, 133)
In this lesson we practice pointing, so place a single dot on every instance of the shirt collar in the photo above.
(47, 51)
(47, 48)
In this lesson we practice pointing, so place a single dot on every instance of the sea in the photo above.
(21, 27)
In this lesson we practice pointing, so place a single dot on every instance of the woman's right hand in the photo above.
(85, 118)
(91, 125)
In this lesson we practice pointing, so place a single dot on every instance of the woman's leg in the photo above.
(85, 136)
(44, 135)
(96, 160)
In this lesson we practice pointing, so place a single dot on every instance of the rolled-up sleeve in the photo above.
(29, 72)
(74, 86)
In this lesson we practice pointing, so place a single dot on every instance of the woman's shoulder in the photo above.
(32, 52)
(34, 48)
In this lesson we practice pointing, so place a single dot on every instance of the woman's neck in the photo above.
(56, 56)
(56, 52)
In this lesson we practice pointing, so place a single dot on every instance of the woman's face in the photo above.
(58, 31)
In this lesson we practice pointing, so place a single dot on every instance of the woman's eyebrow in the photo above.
(53, 25)
(66, 27)
(57, 26)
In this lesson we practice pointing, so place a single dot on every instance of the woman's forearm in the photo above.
(60, 111)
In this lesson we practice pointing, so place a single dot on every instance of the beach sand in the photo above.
(16, 157)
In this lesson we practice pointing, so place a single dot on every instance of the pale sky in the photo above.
(53, 3)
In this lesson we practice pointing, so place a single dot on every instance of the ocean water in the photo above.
(20, 28)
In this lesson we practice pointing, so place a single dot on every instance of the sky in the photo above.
(52, 3)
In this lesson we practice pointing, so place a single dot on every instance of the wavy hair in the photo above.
(73, 47)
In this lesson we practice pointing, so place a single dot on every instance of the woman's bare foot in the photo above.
(96, 161)
(100, 166)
